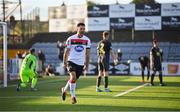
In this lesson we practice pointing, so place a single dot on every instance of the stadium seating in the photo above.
(51, 52)
(131, 51)
(174, 52)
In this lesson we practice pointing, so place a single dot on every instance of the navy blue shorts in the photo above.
(143, 66)
(157, 67)
(103, 63)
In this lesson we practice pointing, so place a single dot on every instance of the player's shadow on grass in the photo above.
(82, 83)
(126, 83)
(97, 96)
(167, 84)
(172, 84)
(80, 107)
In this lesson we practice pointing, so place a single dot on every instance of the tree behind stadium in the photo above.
(144, 1)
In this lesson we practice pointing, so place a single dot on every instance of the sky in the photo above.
(29, 5)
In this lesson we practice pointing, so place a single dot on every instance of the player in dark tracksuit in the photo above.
(144, 62)
(156, 58)
(104, 50)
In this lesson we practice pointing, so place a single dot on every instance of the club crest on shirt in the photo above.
(79, 48)
(158, 54)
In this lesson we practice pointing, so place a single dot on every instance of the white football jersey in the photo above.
(77, 48)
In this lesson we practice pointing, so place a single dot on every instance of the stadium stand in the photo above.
(131, 51)
(174, 52)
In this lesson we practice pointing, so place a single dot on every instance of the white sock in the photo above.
(66, 86)
(72, 89)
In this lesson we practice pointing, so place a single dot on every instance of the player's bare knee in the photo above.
(73, 78)
(106, 74)
(100, 74)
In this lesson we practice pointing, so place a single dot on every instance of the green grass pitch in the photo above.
(47, 98)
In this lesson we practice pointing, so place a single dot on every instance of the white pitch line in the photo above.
(130, 90)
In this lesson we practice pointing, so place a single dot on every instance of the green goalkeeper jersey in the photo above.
(29, 63)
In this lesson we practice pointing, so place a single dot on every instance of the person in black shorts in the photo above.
(61, 47)
(144, 62)
(156, 58)
(104, 50)
(76, 59)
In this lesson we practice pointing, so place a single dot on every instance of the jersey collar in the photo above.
(80, 36)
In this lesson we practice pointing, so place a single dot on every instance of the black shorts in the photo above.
(157, 67)
(103, 63)
(143, 66)
(72, 67)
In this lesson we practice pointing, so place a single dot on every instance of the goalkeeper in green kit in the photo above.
(28, 71)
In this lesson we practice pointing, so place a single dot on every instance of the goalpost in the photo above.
(4, 29)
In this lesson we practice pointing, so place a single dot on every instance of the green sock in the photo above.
(34, 82)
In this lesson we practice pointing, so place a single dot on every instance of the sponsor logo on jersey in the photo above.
(79, 48)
